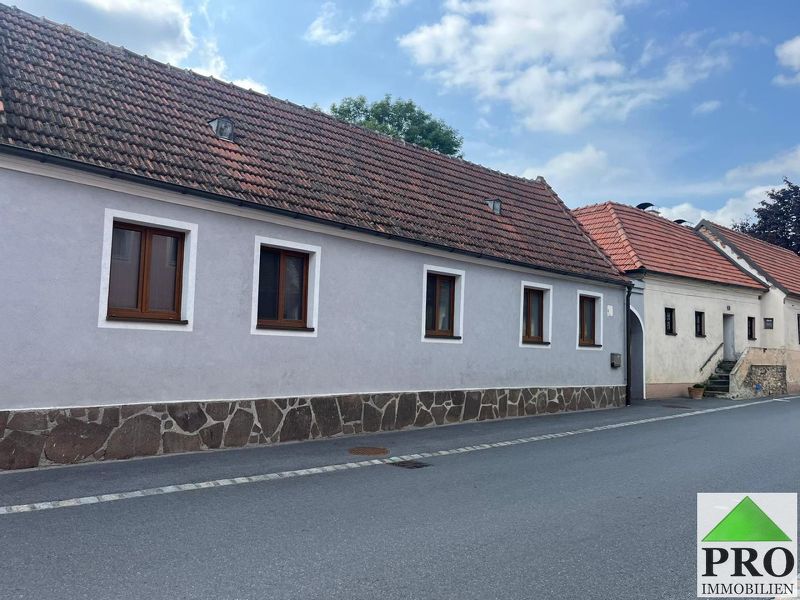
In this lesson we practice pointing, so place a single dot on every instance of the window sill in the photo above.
(284, 327)
(430, 336)
(148, 320)
(590, 345)
(535, 343)
(668, 333)
(752, 339)
(700, 336)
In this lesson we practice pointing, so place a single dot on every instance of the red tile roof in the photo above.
(635, 239)
(779, 265)
(71, 96)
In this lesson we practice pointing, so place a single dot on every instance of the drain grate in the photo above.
(368, 451)
(409, 464)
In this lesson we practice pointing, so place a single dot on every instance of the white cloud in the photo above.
(788, 54)
(572, 174)
(706, 107)
(785, 164)
(324, 30)
(214, 65)
(158, 28)
(380, 10)
(734, 210)
(556, 63)
(584, 163)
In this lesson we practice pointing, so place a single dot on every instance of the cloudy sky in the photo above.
(690, 105)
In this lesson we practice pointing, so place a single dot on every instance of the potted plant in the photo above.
(696, 391)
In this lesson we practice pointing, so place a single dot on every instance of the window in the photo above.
(587, 326)
(769, 323)
(751, 328)
(146, 273)
(699, 324)
(669, 321)
(282, 289)
(533, 316)
(440, 303)
(798, 328)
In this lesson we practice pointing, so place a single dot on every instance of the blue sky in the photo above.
(690, 105)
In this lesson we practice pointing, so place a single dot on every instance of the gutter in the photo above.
(172, 187)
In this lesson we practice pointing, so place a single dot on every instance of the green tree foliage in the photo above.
(401, 119)
(777, 220)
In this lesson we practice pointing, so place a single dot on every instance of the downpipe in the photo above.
(628, 344)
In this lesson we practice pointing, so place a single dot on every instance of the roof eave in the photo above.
(122, 175)
(760, 289)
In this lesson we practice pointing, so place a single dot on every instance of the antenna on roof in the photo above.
(644, 205)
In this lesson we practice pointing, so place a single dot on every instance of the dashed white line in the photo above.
(186, 487)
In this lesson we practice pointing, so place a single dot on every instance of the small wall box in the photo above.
(616, 360)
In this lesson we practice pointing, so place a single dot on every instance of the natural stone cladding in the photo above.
(72, 435)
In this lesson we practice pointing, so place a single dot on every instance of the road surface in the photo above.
(604, 512)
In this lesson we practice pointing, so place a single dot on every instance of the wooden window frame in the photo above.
(699, 331)
(751, 328)
(142, 313)
(441, 333)
(280, 322)
(587, 342)
(527, 321)
(670, 327)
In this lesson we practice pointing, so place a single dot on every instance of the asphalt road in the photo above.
(605, 514)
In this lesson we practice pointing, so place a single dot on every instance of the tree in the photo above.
(777, 220)
(401, 119)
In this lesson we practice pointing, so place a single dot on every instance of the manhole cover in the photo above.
(409, 464)
(368, 451)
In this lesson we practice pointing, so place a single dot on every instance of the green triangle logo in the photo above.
(746, 523)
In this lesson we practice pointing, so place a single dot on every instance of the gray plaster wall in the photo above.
(53, 354)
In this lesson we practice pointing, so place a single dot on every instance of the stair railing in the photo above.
(708, 360)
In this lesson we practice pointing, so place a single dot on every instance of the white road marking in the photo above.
(186, 487)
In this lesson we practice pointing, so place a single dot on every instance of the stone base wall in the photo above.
(765, 372)
(74, 435)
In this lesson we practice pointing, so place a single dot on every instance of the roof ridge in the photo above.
(752, 237)
(625, 239)
(397, 141)
(581, 229)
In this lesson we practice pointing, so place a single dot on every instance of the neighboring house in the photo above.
(692, 307)
(774, 363)
(188, 265)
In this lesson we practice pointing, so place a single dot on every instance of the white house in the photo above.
(694, 310)
(190, 265)
(773, 364)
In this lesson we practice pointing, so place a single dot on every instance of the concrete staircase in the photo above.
(719, 384)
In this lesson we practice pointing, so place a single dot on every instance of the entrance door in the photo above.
(728, 338)
(637, 356)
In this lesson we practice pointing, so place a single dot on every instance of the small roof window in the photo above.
(223, 127)
(495, 205)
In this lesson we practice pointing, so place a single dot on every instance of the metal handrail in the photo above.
(708, 360)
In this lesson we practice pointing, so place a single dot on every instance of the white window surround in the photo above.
(458, 318)
(598, 319)
(314, 258)
(189, 262)
(548, 313)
